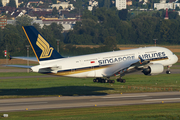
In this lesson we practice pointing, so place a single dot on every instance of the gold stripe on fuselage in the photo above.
(70, 72)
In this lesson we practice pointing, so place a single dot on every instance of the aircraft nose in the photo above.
(175, 59)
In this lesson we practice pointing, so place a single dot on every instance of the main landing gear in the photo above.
(107, 80)
(168, 70)
(121, 80)
(102, 80)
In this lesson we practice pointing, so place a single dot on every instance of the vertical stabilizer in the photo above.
(41, 47)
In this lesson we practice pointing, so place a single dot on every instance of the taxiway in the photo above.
(59, 102)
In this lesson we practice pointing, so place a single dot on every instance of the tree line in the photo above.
(126, 28)
(102, 26)
(13, 39)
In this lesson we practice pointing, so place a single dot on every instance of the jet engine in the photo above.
(153, 69)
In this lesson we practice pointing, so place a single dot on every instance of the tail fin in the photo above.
(42, 49)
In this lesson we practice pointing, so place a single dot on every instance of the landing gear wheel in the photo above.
(112, 81)
(94, 80)
(168, 72)
(103, 81)
(123, 81)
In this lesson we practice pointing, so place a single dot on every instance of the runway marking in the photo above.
(162, 99)
(1, 104)
(126, 96)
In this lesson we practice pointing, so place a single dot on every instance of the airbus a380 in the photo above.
(101, 66)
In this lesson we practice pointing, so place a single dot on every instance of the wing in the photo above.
(123, 67)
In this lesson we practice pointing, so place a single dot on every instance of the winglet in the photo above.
(41, 47)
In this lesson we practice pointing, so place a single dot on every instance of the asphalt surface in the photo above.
(22, 104)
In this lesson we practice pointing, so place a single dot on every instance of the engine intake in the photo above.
(153, 69)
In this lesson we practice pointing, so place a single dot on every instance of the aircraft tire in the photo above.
(112, 81)
(94, 80)
(103, 81)
(106, 81)
(168, 72)
(123, 81)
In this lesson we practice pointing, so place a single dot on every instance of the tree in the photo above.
(37, 26)
(107, 3)
(123, 14)
(24, 20)
(172, 15)
(1, 3)
(12, 3)
(111, 42)
(57, 30)
(60, 7)
(54, 1)
(177, 8)
(54, 11)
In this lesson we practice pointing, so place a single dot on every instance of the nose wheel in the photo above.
(168, 70)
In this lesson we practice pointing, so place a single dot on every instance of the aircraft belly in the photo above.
(93, 73)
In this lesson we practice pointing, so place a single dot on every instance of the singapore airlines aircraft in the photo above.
(101, 66)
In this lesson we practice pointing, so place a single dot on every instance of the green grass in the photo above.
(53, 86)
(177, 53)
(11, 74)
(134, 112)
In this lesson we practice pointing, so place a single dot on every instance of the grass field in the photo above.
(134, 112)
(54, 86)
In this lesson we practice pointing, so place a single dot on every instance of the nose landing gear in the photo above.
(168, 70)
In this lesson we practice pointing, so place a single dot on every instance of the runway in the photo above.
(60, 102)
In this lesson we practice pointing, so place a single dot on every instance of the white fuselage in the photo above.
(97, 65)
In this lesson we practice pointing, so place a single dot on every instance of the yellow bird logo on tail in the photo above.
(44, 46)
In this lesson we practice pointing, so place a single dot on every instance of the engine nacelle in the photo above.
(153, 69)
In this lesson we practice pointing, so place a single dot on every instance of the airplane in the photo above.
(101, 66)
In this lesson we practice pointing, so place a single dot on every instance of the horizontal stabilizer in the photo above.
(26, 58)
(19, 66)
